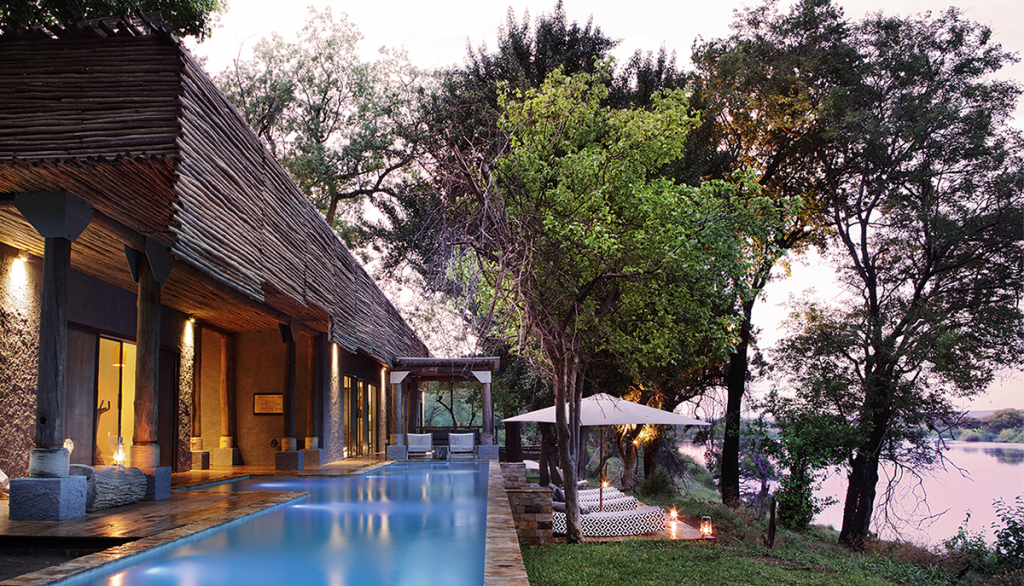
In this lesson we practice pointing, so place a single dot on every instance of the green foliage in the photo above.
(1006, 555)
(923, 188)
(343, 127)
(187, 17)
(812, 436)
(658, 483)
(1009, 546)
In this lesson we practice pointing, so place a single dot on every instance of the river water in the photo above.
(930, 509)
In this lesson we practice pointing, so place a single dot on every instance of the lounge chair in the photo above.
(610, 491)
(618, 503)
(612, 501)
(421, 446)
(461, 446)
(615, 523)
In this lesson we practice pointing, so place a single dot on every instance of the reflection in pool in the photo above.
(407, 524)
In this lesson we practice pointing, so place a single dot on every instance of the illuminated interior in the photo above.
(115, 376)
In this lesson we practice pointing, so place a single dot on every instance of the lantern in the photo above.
(705, 527)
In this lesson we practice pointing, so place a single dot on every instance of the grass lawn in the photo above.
(642, 562)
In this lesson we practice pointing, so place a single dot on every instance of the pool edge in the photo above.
(503, 560)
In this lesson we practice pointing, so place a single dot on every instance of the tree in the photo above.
(581, 252)
(344, 128)
(186, 17)
(813, 435)
(924, 192)
(767, 88)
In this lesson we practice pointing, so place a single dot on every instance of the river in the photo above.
(931, 509)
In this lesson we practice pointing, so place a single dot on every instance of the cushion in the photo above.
(557, 495)
(560, 507)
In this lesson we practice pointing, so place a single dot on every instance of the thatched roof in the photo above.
(118, 112)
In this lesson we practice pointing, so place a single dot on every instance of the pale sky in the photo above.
(435, 33)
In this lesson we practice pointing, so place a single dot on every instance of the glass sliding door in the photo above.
(115, 399)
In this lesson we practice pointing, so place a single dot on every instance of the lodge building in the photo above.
(162, 278)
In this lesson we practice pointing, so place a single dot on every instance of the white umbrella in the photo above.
(603, 409)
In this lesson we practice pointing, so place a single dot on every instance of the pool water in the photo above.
(405, 524)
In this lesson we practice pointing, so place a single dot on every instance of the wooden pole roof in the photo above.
(118, 112)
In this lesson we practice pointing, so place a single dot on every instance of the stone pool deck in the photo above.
(133, 529)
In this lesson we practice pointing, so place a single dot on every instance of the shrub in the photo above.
(658, 484)
(969, 435)
(1009, 547)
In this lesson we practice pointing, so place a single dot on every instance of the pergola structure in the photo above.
(408, 372)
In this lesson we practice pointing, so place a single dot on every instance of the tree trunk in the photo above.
(860, 495)
(736, 381)
(567, 425)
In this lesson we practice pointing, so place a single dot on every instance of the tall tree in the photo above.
(769, 88)
(924, 193)
(343, 127)
(581, 251)
(187, 17)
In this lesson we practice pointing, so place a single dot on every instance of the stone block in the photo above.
(487, 452)
(310, 457)
(200, 460)
(115, 486)
(47, 499)
(288, 461)
(225, 457)
(397, 452)
(158, 484)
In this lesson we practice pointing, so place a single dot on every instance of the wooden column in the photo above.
(484, 377)
(227, 392)
(289, 335)
(197, 381)
(60, 218)
(319, 377)
(398, 408)
(53, 342)
(145, 443)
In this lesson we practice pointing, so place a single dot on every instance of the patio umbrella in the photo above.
(603, 409)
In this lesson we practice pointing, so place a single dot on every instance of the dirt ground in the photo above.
(16, 564)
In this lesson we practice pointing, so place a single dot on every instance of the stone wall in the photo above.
(20, 282)
(531, 505)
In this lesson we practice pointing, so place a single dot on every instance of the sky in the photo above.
(435, 34)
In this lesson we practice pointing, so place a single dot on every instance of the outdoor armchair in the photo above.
(421, 446)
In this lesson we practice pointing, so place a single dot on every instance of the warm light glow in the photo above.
(673, 513)
(705, 527)
(69, 446)
(604, 484)
(119, 356)
(636, 442)
(673, 529)
(119, 456)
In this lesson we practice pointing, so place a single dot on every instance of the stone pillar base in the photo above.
(48, 462)
(396, 452)
(47, 499)
(225, 457)
(310, 457)
(158, 483)
(487, 452)
(397, 439)
(288, 461)
(312, 442)
(145, 457)
(196, 444)
(227, 441)
(289, 444)
(200, 460)
(486, 439)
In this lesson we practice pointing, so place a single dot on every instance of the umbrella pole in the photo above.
(600, 492)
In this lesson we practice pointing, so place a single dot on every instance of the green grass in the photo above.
(738, 556)
(662, 562)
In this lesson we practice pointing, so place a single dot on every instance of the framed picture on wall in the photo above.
(268, 404)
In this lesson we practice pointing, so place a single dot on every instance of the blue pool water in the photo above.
(406, 524)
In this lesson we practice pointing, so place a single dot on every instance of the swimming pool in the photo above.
(406, 524)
